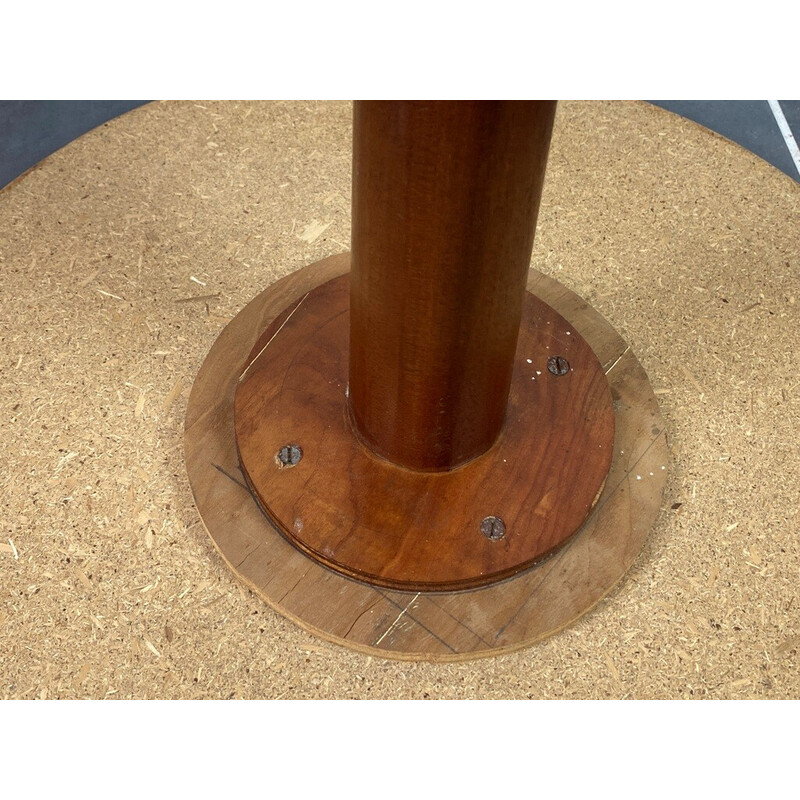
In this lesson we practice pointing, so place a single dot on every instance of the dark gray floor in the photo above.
(751, 123)
(32, 129)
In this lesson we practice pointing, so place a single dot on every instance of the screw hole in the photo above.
(493, 528)
(289, 455)
(557, 365)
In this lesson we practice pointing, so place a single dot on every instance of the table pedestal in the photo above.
(406, 439)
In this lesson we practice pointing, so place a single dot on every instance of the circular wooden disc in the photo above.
(497, 618)
(422, 531)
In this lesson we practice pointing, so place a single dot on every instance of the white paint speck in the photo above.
(529, 360)
(569, 333)
(638, 477)
(538, 372)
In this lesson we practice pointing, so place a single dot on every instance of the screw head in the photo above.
(557, 365)
(289, 455)
(493, 528)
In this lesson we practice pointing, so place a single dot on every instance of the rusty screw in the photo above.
(557, 365)
(493, 528)
(289, 455)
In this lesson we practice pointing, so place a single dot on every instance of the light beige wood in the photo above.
(425, 625)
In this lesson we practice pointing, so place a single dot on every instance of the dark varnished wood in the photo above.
(445, 200)
(491, 620)
(374, 520)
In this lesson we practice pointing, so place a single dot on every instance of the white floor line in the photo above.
(788, 136)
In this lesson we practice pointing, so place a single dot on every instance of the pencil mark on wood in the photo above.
(232, 478)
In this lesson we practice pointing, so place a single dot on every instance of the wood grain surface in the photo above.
(425, 625)
(445, 200)
(420, 530)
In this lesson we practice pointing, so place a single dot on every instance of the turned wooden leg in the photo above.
(445, 200)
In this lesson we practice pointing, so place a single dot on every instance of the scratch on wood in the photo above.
(399, 617)
(261, 351)
(365, 611)
(296, 584)
(419, 622)
(617, 360)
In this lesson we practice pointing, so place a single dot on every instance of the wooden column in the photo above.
(423, 423)
(445, 200)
